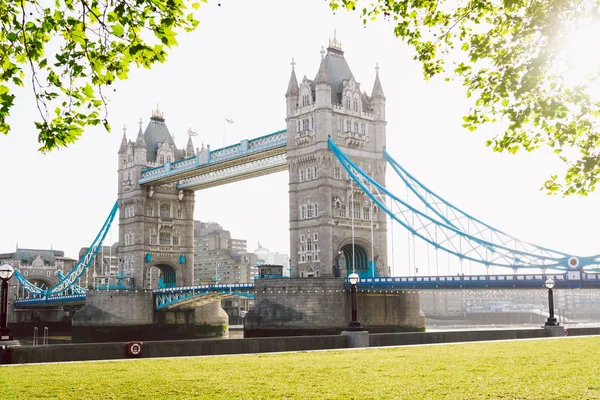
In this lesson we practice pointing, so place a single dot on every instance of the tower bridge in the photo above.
(333, 149)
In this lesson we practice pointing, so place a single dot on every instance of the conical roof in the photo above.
(292, 85)
(139, 141)
(322, 75)
(189, 149)
(377, 89)
(123, 148)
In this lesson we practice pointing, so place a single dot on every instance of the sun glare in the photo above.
(581, 55)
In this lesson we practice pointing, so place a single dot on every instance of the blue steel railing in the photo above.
(244, 148)
(72, 298)
(168, 296)
(530, 281)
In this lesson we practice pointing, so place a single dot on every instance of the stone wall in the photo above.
(108, 351)
(116, 315)
(313, 306)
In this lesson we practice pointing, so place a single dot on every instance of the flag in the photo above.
(191, 132)
(229, 120)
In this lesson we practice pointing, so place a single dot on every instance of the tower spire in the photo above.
(123, 148)
(293, 84)
(322, 75)
(377, 89)
(189, 149)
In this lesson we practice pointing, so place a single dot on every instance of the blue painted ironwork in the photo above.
(54, 300)
(442, 234)
(79, 268)
(74, 289)
(521, 281)
(166, 297)
(242, 149)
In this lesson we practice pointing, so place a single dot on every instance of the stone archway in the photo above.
(362, 263)
(160, 275)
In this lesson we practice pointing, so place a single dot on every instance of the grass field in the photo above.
(566, 368)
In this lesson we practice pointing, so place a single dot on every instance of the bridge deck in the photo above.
(192, 296)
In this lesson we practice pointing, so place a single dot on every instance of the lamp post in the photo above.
(354, 325)
(6, 272)
(551, 321)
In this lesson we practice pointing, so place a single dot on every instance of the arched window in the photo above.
(161, 160)
(165, 210)
(169, 159)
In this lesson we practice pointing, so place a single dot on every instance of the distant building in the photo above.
(273, 258)
(39, 266)
(219, 257)
(105, 268)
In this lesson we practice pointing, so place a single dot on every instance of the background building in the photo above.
(273, 258)
(219, 257)
(39, 266)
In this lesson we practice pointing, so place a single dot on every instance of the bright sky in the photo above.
(237, 65)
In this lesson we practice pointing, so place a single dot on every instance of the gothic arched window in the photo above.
(165, 210)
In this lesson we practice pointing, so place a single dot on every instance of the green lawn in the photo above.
(566, 368)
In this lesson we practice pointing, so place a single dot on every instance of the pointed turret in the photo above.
(323, 87)
(378, 98)
(377, 89)
(139, 149)
(139, 142)
(293, 84)
(291, 96)
(123, 148)
(189, 149)
(322, 75)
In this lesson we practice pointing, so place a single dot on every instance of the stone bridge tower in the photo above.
(325, 206)
(156, 224)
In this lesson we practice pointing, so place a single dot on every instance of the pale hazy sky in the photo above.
(237, 65)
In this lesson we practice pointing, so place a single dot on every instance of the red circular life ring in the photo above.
(135, 348)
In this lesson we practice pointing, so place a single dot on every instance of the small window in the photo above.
(355, 105)
(179, 214)
(175, 240)
(153, 239)
(340, 124)
(47, 273)
(161, 160)
(356, 127)
(348, 125)
(169, 159)
(150, 211)
(302, 237)
(316, 237)
(337, 172)
(348, 104)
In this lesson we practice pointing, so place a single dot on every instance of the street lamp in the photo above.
(354, 325)
(6, 272)
(551, 321)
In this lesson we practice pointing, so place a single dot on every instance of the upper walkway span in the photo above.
(247, 159)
